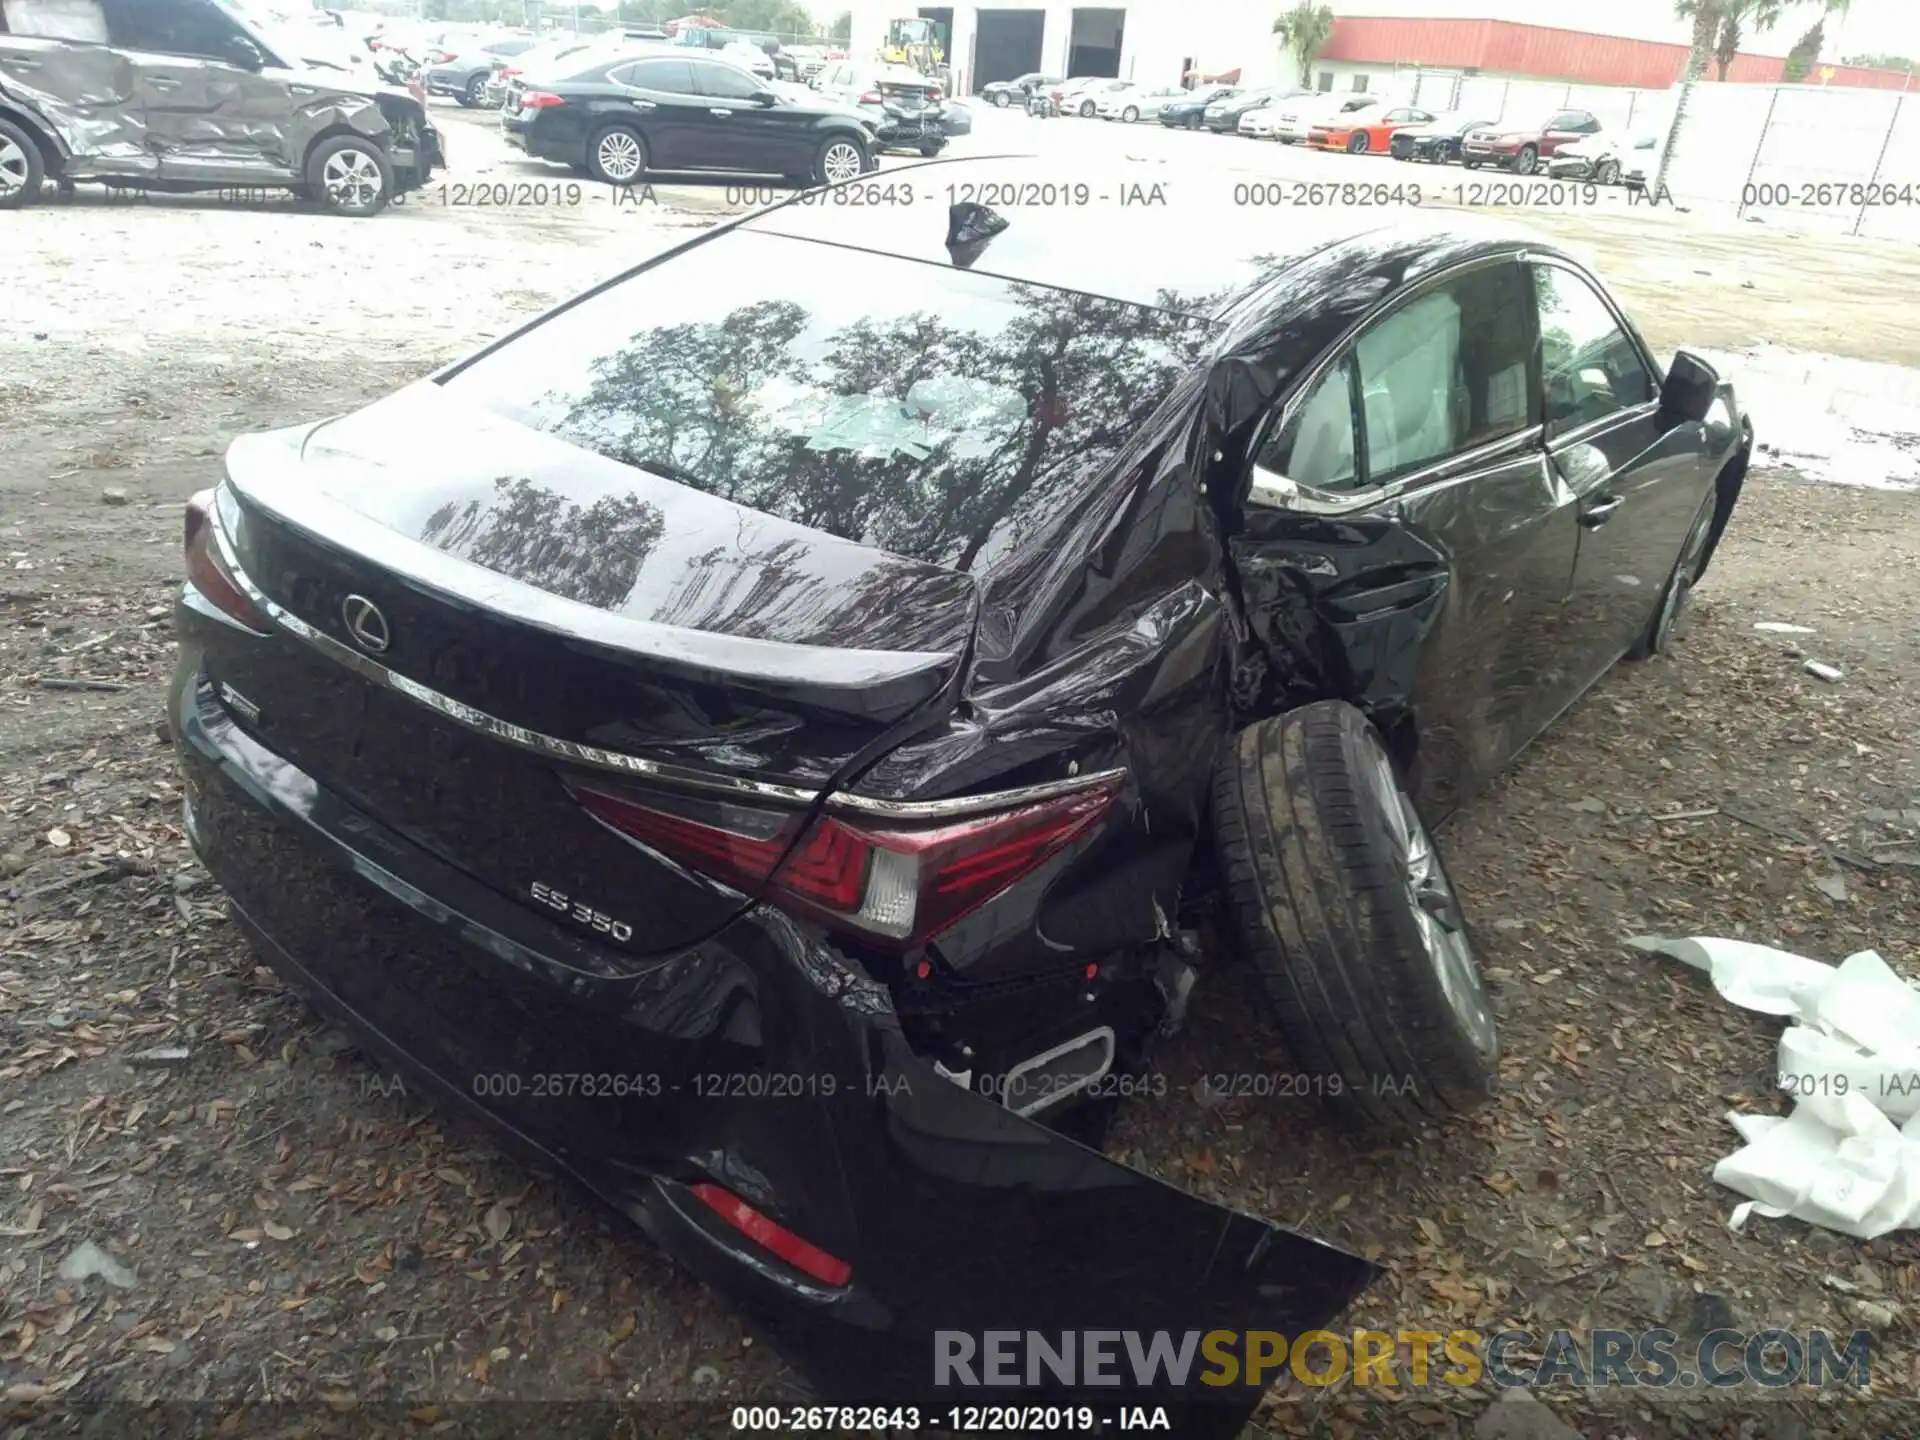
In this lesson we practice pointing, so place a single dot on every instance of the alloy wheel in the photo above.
(618, 154)
(841, 162)
(1436, 912)
(351, 179)
(14, 168)
(1609, 173)
(1685, 573)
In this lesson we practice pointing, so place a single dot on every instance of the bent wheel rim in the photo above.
(619, 155)
(1685, 573)
(1436, 911)
(351, 179)
(14, 168)
(842, 162)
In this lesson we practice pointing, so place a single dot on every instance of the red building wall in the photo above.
(1553, 54)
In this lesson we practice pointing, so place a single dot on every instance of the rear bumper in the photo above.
(758, 1060)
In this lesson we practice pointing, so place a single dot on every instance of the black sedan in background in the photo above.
(769, 732)
(1438, 141)
(1003, 93)
(1223, 116)
(1189, 113)
(617, 121)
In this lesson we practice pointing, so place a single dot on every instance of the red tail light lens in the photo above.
(896, 883)
(440, 57)
(933, 95)
(207, 570)
(872, 97)
(803, 1255)
(507, 72)
(539, 100)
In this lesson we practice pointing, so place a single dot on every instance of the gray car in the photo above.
(186, 95)
(464, 73)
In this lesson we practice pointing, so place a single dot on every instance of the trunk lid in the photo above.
(472, 608)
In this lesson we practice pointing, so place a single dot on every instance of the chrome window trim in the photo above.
(1308, 500)
(619, 762)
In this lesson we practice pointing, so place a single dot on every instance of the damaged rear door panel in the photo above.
(81, 91)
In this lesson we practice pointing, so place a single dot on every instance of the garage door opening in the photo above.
(1007, 45)
(1094, 48)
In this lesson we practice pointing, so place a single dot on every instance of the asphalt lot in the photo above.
(301, 1229)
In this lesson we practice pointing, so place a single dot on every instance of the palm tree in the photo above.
(1706, 16)
(1304, 31)
(1738, 19)
(1806, 50)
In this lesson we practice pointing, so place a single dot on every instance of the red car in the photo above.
(1522, 148)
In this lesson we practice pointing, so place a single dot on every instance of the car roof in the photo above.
(1202, 248)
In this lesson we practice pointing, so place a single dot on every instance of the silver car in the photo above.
(464, 72)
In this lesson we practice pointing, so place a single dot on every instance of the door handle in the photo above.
(641, 104)
(717, 111)
(161, 83)
(1596, 514)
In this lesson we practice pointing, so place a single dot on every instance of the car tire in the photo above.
(350, 175)
(929, 151)
(1470, 164)
(1342, 904)
(617, 155)
(23, 170)
(1527, 161)
(1129, 115)
(475, 93)
(1086, 109)
(1607, 172)
(1687, 569)
(840, 157)
(1002, 100)
(1357, 144)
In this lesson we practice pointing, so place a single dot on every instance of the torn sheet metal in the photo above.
(1848, 1157)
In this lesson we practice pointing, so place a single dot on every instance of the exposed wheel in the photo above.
(350, 176)
(1470, 164)
(617, 156)
(1130, 114)
(930, 151)
(1679, 590)
(1608, 172)
(1002, 100)
(1527, 161)
(475, 93)
(1086, 108)
(22, 170)
(1357, 143)
(840, 158)
(1342, 903)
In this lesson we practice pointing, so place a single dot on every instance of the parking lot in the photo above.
(301, 1228)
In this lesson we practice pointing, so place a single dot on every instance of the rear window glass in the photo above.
(923, 410)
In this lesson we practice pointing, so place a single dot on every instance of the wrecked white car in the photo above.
(186, 95)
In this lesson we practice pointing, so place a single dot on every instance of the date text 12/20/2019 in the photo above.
(965, 1419)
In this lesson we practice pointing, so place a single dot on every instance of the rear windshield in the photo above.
(927, 411)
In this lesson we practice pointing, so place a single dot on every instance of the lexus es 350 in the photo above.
(767, 732)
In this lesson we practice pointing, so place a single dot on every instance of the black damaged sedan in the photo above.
(767, 733)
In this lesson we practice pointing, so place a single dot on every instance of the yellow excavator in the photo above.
(913, 41)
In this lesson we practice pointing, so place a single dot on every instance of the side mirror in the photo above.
(1690, 387)
(765, 98)
(244, 53)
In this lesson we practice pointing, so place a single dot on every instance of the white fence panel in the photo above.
(1718, 133)
(1534, 102)
(1483, 97)
(1894, 213)
(1435, 89)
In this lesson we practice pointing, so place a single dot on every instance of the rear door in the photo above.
(1565, 128)
(208, 119)
(1437, 593)
(1638, 481)
(740, 130)
(56, 61)
(659, 92)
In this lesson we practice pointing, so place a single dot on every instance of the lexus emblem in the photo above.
(366, 624)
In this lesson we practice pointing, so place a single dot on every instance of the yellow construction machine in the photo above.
(913, 41)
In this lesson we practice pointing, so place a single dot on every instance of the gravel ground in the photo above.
(301, 1229)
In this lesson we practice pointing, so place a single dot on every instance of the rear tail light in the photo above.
(893, 882)
(872, 97)
(934, 95)
(507, 72)
(440, 57)
(539, 100)
(769, 1235)
(207, 568)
